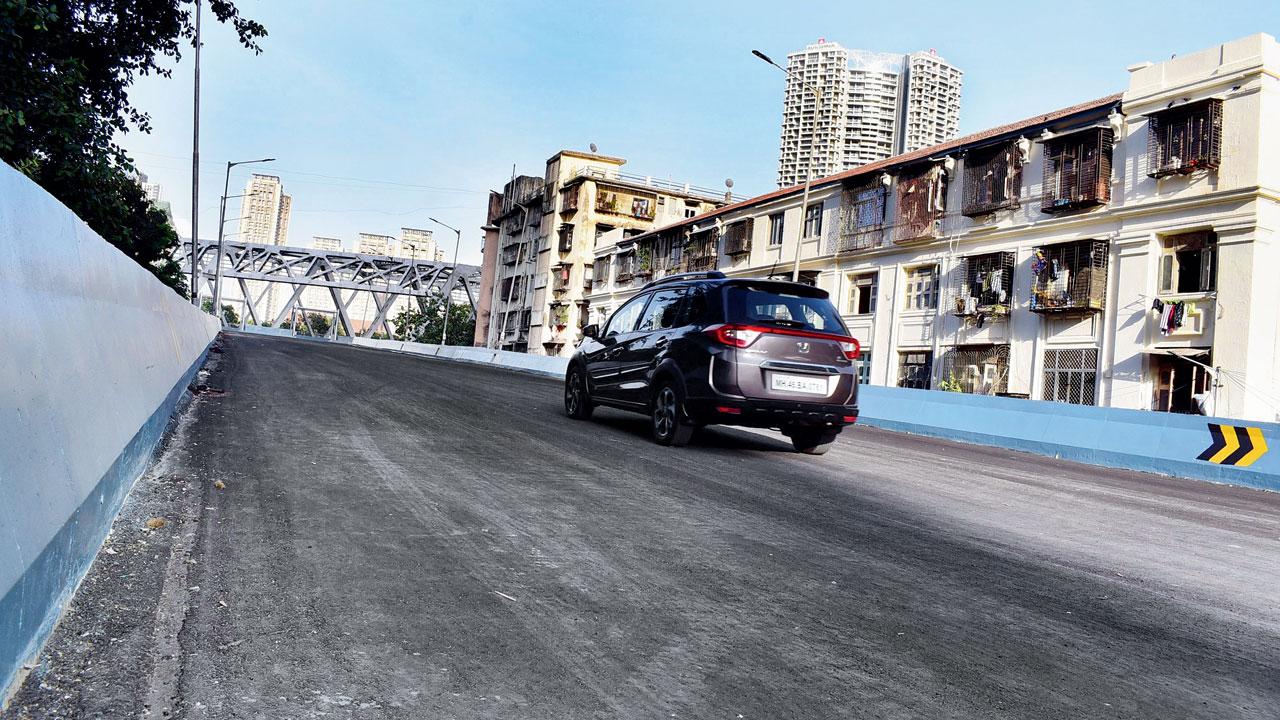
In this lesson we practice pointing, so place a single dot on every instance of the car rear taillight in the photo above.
(851, 348)
(734, 335)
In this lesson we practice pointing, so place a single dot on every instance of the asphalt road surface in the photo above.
(408, 538)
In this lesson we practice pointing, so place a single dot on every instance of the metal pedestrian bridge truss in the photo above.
(347, 276)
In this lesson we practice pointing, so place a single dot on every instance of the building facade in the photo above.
(417, 244)
(874, 105)
(1120, 252)
(545, 231)
(264, 219)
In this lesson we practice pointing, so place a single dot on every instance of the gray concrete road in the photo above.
(405, 538)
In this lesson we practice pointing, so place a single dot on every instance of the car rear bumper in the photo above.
(770, 413)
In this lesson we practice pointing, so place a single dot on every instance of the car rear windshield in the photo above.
(758, 306)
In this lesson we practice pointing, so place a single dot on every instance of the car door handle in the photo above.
(662, 341)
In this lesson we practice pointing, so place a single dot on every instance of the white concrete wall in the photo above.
(92, 347)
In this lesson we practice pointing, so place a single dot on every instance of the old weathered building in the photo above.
(1119, 252)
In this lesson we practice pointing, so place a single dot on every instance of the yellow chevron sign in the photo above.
(1237, 446)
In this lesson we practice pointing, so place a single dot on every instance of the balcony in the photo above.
(737, 238)
(1070, 277)
(1184, 139)
(1077, 171)
(920, 203)
(982, 286)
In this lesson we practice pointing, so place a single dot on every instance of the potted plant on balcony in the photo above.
(644, 262)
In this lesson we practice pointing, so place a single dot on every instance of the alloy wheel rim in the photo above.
(571, 394)
(664, 412)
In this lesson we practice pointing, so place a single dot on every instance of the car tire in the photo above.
(813, 441)
(577, 400)
(667, 417)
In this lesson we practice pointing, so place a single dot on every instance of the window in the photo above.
(642, 208)
(1184, 139)
(1077, 171)
(1182, 385)
(922, 288)
(601, 229)
(690, 212)
(864, 367)
(746, 304)
(624, 320)
(813, 220)
(862, 294)
(661, 312)
(775, 229)
(1189, 263)
(915, 368)
(1070, 376)
(626, 266)
(992, 179)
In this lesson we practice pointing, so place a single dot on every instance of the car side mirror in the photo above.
(592, 331)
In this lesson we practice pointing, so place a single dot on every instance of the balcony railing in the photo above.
(1070, 277)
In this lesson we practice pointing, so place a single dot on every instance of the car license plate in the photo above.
(807, 384)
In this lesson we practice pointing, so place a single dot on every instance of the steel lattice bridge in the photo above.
(346, 275)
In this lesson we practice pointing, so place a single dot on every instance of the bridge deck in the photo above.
(402, 537)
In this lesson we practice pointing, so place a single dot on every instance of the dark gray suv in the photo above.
(701, 349)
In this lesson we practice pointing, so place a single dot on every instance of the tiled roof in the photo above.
(904, 159)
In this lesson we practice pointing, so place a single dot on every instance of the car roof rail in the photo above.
(677, 277)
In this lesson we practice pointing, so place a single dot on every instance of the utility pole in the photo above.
(195, 178)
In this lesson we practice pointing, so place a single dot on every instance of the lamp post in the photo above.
(448, 297)
(222, 224)
(195, 173)
(808, 167)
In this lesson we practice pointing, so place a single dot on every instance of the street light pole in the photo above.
(222, 224)
(448, 297)
(808, 167)
(195, 175)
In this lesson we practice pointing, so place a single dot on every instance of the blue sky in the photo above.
(382, 113)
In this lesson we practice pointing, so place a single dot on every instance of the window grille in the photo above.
(1069, 277)
(862, 209)
(975, 369)
(983, 285)
(864, 367)
(919, 204)
(1077, 171)
(569, 199)
(1184, 139)
(737, 237)
(565, 234)
(700, 250)
(1071, 376)
(992, 179)
(915, 369)
(626, 266)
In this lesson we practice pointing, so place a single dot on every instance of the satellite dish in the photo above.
(728, 182)
(593, 147)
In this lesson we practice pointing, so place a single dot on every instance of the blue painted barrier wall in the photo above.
(1134, 439)
(95, 354)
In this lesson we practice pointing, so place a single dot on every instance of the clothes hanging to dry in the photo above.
(1172, 315)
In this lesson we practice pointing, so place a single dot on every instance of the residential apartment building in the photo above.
(1120, 252)
(545, 231)
(874, 105)
(418, 244)
(374, 244)
(264, 219)
(330, 244)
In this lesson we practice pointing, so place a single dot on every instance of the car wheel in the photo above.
(670, 426)
(577, 402)
(813, 441)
